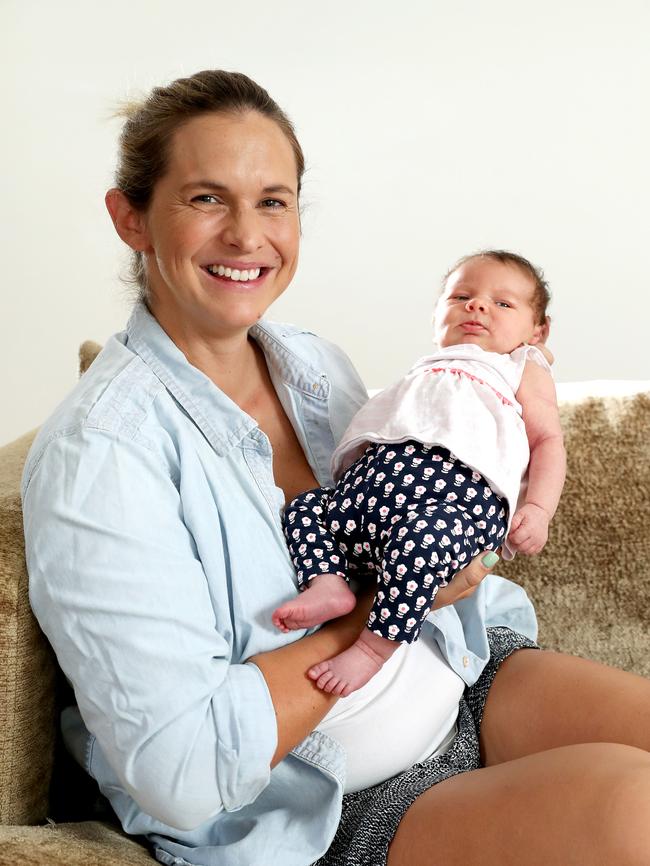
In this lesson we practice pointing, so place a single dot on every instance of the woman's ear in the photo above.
(130, 224)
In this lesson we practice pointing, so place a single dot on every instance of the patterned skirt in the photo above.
(370, 817)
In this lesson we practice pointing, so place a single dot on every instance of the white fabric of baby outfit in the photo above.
(462, 398)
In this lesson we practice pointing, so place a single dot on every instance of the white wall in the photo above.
(431, 129)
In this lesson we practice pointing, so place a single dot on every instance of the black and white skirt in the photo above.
(370, 817)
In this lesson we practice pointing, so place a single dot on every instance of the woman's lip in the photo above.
(227, 281)
(237, 266)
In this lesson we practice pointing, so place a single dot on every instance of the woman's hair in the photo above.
(541, 293)
(144, 144)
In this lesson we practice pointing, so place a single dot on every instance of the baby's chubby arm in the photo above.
(547, 467)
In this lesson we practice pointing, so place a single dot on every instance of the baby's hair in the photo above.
(541, 293)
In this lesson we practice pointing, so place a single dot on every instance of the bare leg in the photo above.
(541, 700)
(327, 597)
(567, 775)
(584, 805)
(351, 669)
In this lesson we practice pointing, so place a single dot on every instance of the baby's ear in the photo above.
(541, 332)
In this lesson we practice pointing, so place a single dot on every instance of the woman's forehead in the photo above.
(244, 142)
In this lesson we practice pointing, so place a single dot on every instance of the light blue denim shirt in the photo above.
(156, 555)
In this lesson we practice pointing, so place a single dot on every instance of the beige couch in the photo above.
(591, 587)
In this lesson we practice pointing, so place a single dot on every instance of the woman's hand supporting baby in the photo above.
(299, 704)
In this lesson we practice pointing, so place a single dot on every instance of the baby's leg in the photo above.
(320, 563)
(326, 597)
(351, 669)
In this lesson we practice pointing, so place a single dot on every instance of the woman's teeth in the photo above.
(233, 273)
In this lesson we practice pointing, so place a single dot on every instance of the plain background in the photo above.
(431, 129)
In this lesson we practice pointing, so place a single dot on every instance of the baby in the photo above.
(463, 454)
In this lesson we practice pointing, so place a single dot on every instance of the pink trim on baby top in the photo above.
(459, 372)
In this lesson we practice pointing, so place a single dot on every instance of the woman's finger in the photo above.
(466, 581)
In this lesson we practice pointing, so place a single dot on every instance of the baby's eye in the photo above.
(503, 304)
(460, 297)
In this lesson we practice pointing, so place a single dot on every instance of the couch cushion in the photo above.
(591, 583)
(27, 673)
(90, 843)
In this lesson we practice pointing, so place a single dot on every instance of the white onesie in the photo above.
(462, 398)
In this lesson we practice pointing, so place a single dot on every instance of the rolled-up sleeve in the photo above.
(118, 588)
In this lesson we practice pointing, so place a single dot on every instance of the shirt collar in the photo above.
(220, 420)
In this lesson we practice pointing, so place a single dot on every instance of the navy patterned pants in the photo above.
(410, 514)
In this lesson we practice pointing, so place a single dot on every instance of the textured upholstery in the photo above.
(591, 583)
(27, 672)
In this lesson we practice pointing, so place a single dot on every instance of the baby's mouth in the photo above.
(473, 327)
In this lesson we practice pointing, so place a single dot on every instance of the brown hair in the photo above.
(541, 293)
(150, 124)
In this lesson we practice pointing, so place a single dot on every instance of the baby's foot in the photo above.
(351, 669)
(326, 597)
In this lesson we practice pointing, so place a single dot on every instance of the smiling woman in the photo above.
(153, 501)
(219, 238)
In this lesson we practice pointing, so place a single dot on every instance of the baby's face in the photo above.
(489, 304)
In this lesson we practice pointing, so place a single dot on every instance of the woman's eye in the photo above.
(272, 203)
(206, 198)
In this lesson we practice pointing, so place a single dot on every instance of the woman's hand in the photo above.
(466, 581)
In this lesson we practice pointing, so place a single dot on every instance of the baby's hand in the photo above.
(529, 530)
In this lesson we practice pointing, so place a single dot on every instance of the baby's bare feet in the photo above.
(351, 669)
(326, 597)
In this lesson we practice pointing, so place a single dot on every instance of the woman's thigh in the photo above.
(542, 700)
(584, 805)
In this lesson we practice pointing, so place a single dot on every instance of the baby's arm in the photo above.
(547, 467)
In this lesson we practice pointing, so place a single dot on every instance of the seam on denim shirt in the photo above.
(34, 461)
(300, 413)
(141, 442)
(88, 758)
(281, 350)
(331, 349)
(246, 447)
(330, 757)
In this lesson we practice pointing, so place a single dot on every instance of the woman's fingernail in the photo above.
(490, 559)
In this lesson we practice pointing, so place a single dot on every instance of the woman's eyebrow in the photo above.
(204, 184)
(214, 186)
(278, 188)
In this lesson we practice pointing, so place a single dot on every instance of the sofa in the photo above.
(590, 586)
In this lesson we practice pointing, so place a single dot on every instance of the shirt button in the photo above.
(465, 661)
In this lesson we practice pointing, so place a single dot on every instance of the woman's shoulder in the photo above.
(110, 398)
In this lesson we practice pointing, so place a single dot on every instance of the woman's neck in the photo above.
(234, 365)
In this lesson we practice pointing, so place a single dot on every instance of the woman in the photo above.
(152, 504)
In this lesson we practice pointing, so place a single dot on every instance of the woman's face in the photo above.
(223, 227)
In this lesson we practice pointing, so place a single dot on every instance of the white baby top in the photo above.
(462, 398)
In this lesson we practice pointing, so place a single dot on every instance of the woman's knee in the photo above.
(624, 806)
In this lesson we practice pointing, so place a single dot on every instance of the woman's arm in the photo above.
(119, 589)
(547, 466)
(299, 704)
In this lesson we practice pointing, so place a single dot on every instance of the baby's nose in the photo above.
(475, 304)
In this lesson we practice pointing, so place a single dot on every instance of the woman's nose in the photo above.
(243, 230)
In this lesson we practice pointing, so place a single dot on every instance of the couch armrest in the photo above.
(27, 672)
